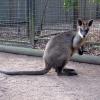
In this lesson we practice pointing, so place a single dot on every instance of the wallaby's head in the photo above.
(83, 27)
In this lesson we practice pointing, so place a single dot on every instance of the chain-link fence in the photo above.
(31, 22)
(16, 21)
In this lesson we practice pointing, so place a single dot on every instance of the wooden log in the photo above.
(39, 53)
(21, 50)
(90, 59)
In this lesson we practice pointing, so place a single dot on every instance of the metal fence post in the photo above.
(75, 14)
(31, 21)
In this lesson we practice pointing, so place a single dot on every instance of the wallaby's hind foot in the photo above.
(67, 69)
(66, 72)
(69, 72)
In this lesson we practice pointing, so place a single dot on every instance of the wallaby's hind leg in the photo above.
(65, 71)
(59, 71)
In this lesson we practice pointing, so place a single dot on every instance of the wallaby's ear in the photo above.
(90, 22)
(79, 22)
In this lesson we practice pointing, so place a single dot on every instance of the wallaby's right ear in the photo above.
(79, 22)
(90, 22)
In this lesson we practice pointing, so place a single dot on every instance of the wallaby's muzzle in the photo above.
(84, 32)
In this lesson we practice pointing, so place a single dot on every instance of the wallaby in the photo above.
(59, 50)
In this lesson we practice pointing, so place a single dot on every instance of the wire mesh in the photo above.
(14, 21)
(26, 21)
(52, 17)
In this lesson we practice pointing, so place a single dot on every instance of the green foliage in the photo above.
(94, 1)
(98, 1)
(69, 3)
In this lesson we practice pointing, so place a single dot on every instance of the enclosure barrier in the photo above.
(38, 53)
(21, 50)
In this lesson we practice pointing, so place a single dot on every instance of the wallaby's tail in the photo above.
(41, 72)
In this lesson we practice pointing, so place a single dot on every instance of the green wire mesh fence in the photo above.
(30, 23)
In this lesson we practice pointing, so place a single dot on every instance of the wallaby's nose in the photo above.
(84, 36)
(84, 33)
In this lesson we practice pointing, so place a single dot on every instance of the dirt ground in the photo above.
(85, 86)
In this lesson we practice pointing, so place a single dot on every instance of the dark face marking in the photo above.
(84, 31)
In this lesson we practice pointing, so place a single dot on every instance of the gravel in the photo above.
(85, 86)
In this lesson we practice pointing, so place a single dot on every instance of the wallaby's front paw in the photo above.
(80, 52)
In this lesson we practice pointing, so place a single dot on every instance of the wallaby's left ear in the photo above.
(79, 22)
(90, 22)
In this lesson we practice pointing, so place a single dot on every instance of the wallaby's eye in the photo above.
(82, 30)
